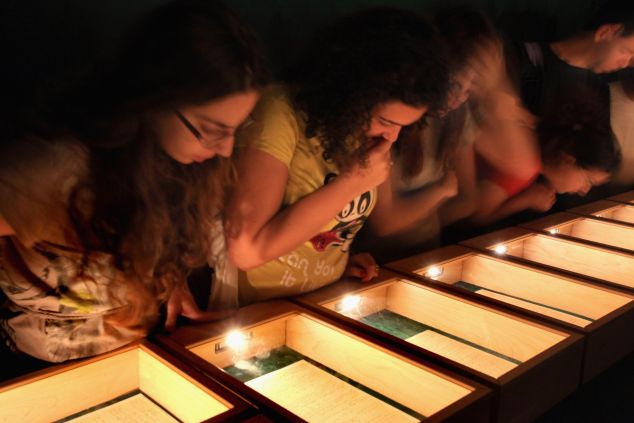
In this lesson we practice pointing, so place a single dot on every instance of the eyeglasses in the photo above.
(209, 142)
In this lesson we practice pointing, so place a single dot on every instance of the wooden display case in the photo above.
(298, 365)
(511, 353)
(590, 262)
(604, 316)
(137, 383)
(607, 210)
(578, 228)
(626, 197)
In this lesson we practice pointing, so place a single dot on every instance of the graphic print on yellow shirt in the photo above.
(350, 219)
(279, 131)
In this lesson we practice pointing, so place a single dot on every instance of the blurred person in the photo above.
(432, 182)
(622, 122)
(544, 72)
(578, 151)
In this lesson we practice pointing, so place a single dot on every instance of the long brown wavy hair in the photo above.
(152, 214)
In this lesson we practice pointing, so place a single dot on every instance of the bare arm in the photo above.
(506, 139)
(396, 212)
(259, 230)
(495, 204)
(465, 203)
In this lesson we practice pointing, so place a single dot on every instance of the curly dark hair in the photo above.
(361, 61)
(580, 128)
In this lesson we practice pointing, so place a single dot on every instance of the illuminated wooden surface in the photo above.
(424, 390)
(589, 260)
(71, 389)
(462, 353)
(137, 408)
(373, 367)
(607, 209)
(557, 296)
(626, 197)
(501, 348)
(325, 398)
(586, 260)
(603, 314)
(459, 329)
(395, 378)
(586, 228)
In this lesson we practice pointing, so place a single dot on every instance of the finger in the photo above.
(210, 316)
(173, 310)
(370, 273)
(356, 271)
(364, 259)
(188, 306)
(367, 262)
(381, 147)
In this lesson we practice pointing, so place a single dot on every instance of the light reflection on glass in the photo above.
(500, 249)
(434, 272)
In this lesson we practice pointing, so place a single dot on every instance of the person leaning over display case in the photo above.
(432, 182)
(320, 145)
(106, 208)
(544, 72)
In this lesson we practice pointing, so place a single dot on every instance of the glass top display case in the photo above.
(603, 315)
(500, 348)
(300, 365)
(137, 383)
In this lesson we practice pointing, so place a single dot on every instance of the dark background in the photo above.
(45, 44)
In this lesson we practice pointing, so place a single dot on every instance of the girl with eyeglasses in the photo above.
(105, 210)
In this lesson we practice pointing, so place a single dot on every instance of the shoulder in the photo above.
(37, 177)
(275, 126)
(275, 101)
(42, 153)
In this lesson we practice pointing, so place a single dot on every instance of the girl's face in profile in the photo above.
(387, 119)
(460, 88)
(569, 178)
(198, 133)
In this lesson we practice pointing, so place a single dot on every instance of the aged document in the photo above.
(318, 396)
(137, 408)
(462, 353)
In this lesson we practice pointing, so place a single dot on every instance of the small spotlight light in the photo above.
(236, 340)
(434, 272)
(349, 303)
(500, 249)
(553, 231)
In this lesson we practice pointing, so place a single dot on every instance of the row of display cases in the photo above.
(499, 328)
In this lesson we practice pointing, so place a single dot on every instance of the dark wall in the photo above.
(44, 42)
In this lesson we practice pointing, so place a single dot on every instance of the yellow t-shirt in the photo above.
(280, 131)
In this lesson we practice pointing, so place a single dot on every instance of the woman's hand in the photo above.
(375, 171)
(540, 197)
(362, 266)
(449, 184)
(182, 303)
